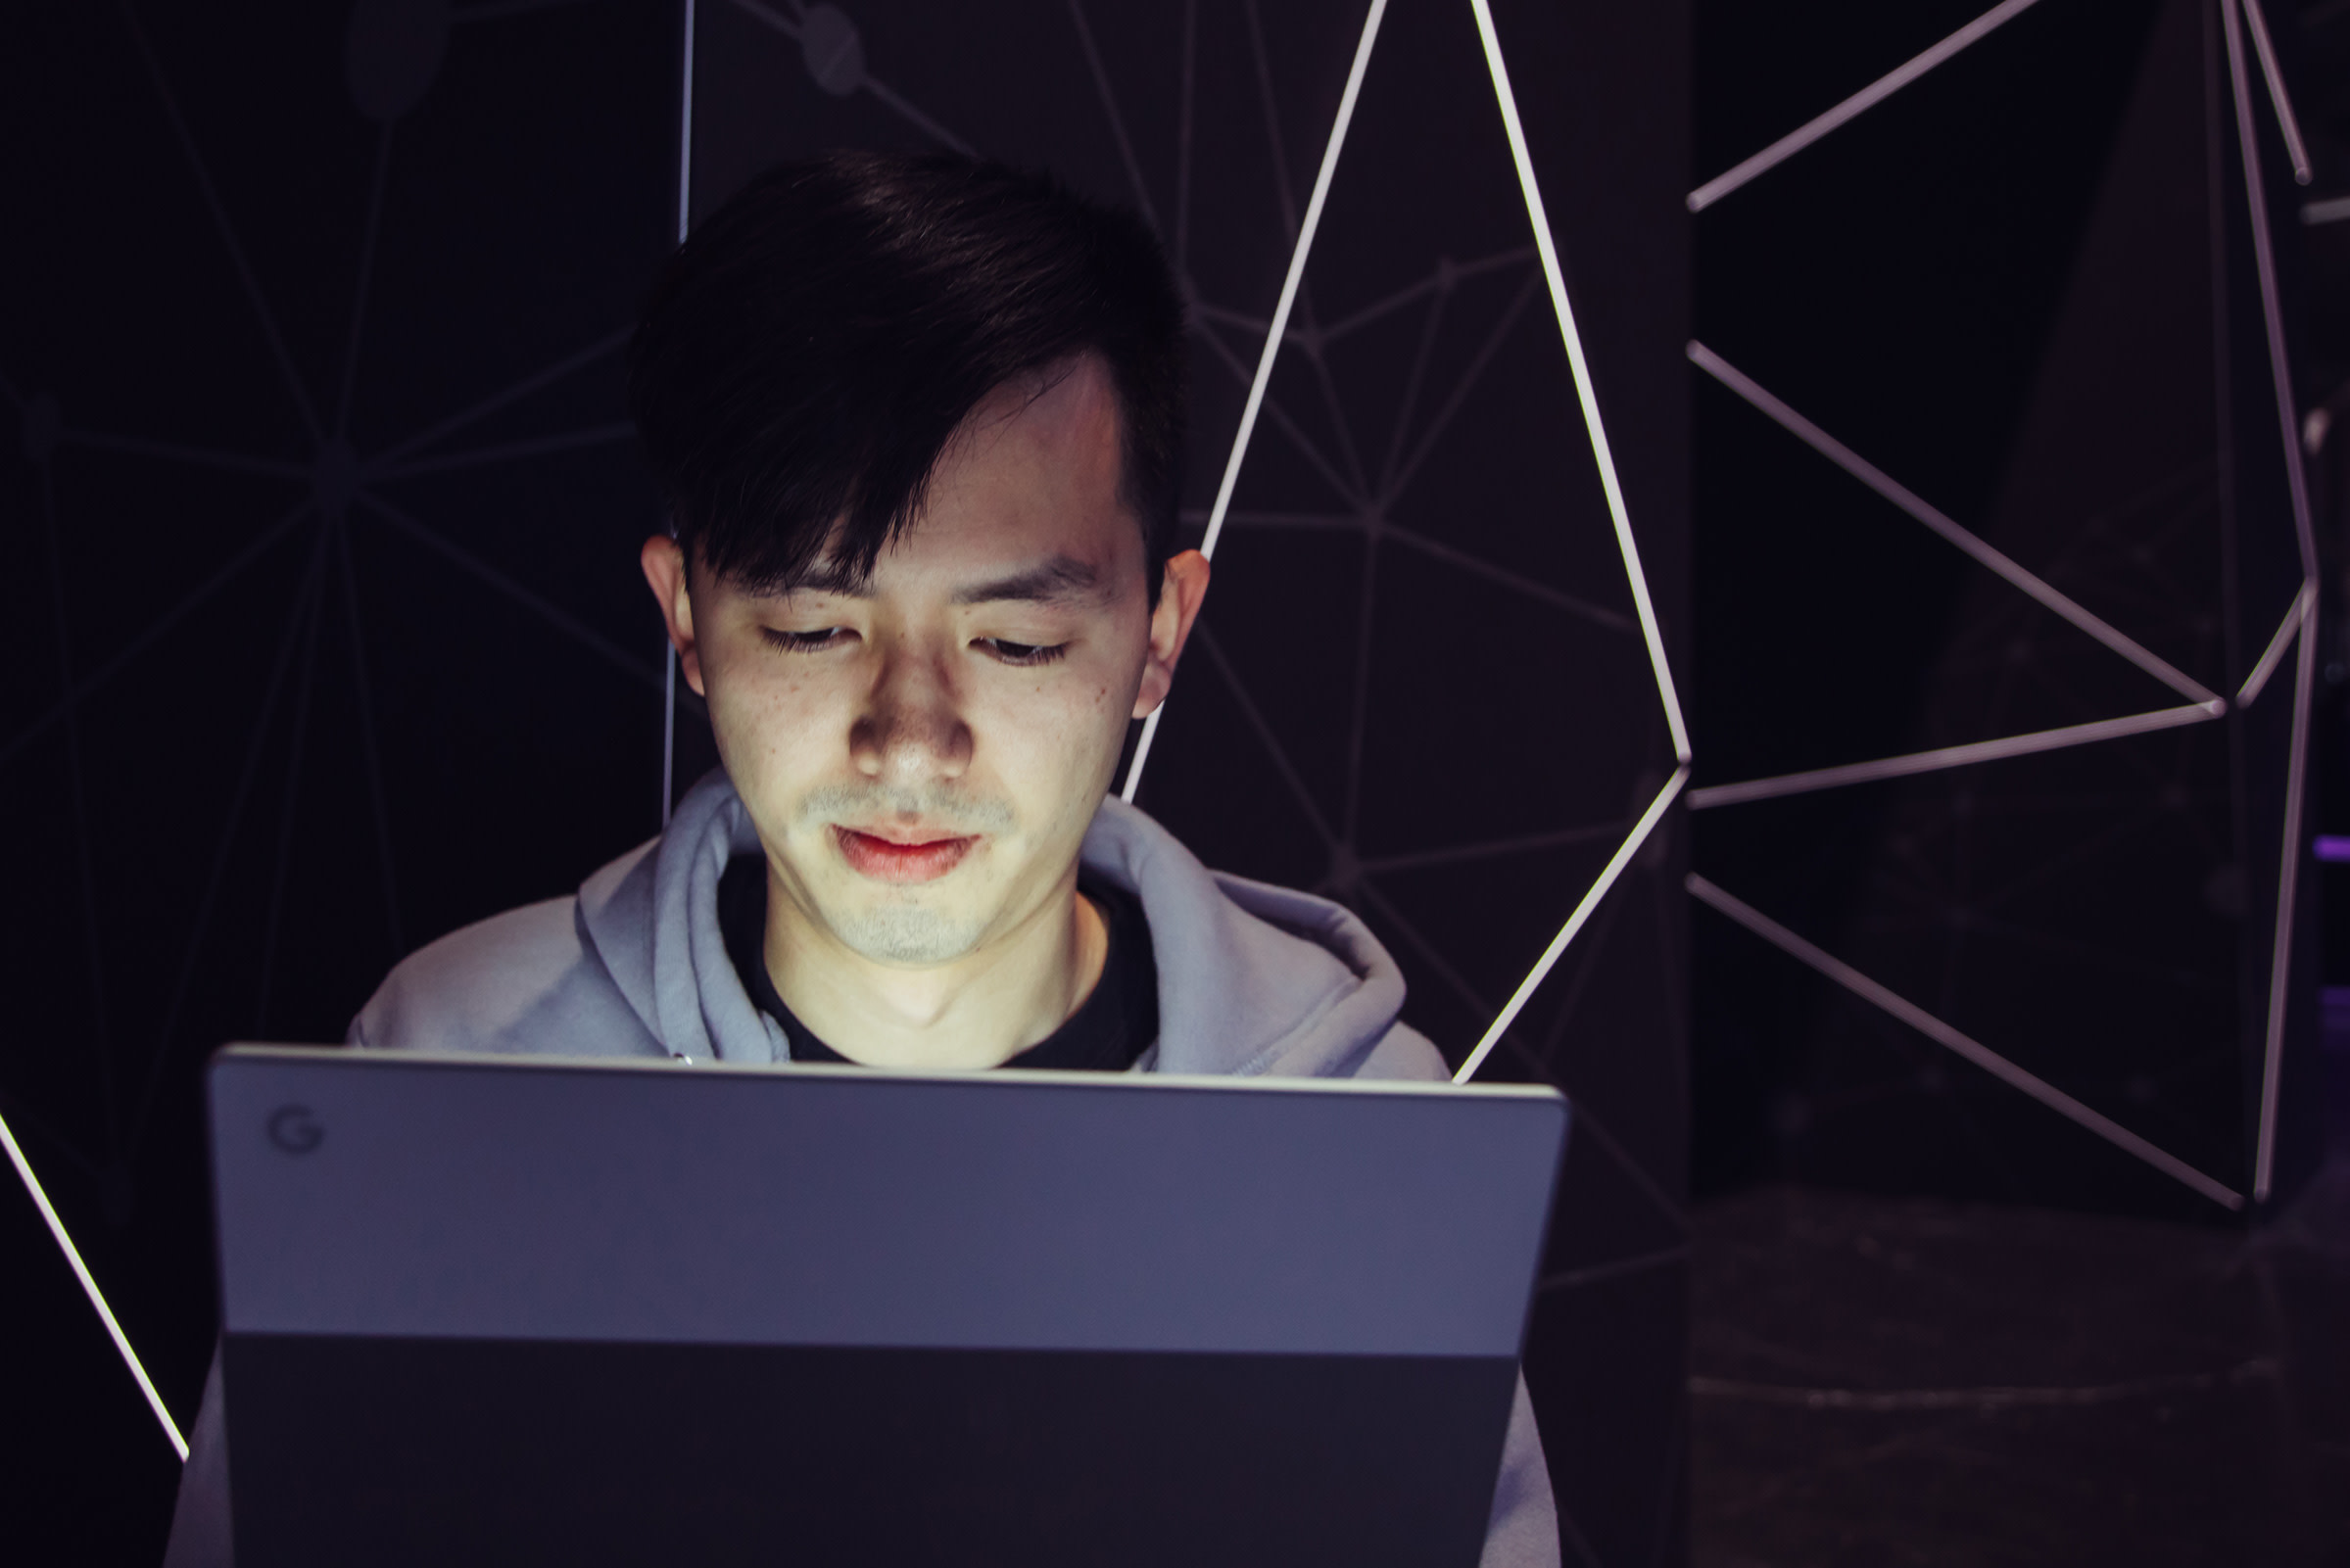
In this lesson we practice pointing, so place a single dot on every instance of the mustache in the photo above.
(938, 805)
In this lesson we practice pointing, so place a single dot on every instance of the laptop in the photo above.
(480, 1309)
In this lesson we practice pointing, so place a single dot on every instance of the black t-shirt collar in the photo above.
(1107, 1033)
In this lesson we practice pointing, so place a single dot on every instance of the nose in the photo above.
(911, 731)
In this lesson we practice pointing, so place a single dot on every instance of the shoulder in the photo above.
(524, 982)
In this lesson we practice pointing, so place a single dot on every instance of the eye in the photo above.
(807, 642)
(1023, 653)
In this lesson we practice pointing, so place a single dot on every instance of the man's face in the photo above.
(922, 752)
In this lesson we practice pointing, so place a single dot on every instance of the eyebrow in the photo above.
(1063, 577)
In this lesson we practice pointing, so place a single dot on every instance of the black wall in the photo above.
(324, 629)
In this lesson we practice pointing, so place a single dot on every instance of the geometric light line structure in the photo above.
(617, 430)
(1587, 397)
(637, 666)
(1962, 1045)
(867, 82)
(1944, 757)
(1984, 555)
(2295, 148)
(2281, 952)
(179, 451)
(2294, 629)
(2303, 602)
(1275, 335)
(266, 318)
(90, 1287)
(1118, 124)
(2271, 311)
(91, 681)
(544, 376)
(1884, 87)
(1384, 306)
(1585, 393)
(366, 279)
(329, 551)
(2289, 870)
(1575, 920)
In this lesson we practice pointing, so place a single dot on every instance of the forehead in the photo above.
(1035, 471)
(1030, 488)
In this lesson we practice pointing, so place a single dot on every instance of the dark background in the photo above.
(326, 635)
(324, 629)
(2023, 287)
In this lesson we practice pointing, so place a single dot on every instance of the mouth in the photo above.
(890, 860)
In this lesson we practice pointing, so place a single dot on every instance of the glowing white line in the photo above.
(2332, 210)
(2274, 651)
(2281, 952)
(1943, 1034)
(1982, 553)
(90, 1287)
(2014, 745)
(2264, 257)
(685, 215)
(1272, 339)
(1884, 87)
(1575, 920)
(1585, 393)
(684, 135)
(2285, 122)
(1279, 326)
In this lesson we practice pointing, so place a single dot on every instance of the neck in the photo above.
(978, 1010)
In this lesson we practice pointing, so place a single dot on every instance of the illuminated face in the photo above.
(921, 751)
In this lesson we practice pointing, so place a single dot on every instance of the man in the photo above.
(917, 421)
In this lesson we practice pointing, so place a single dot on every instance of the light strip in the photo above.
(2256, 197)
(1916, 762)
(1982, 552)
(684, 135)
(90, 1287)
(2281, 952)
(2285, 122)
(1575, 920)
(1584, 390)
(1943, 1034)
(2332, 210)
(2275, 652)
(1279, 327)
(685, 217)
(1272, 339)
(1884, 87)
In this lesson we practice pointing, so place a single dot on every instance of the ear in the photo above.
(665, 563)
(1180, 597)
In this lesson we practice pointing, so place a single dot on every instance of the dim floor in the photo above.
(1888, 1381)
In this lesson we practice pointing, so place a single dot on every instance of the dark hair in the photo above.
(809, 350)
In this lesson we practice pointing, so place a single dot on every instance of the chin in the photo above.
(907, 935)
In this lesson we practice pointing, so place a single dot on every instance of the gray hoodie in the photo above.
(1253, 979)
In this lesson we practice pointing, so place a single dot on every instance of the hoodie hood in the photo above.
(1252, 978)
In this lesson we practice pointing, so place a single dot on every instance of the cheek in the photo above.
(1042, 735)
(763, 716)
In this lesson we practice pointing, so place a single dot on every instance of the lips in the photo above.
(886, 860)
